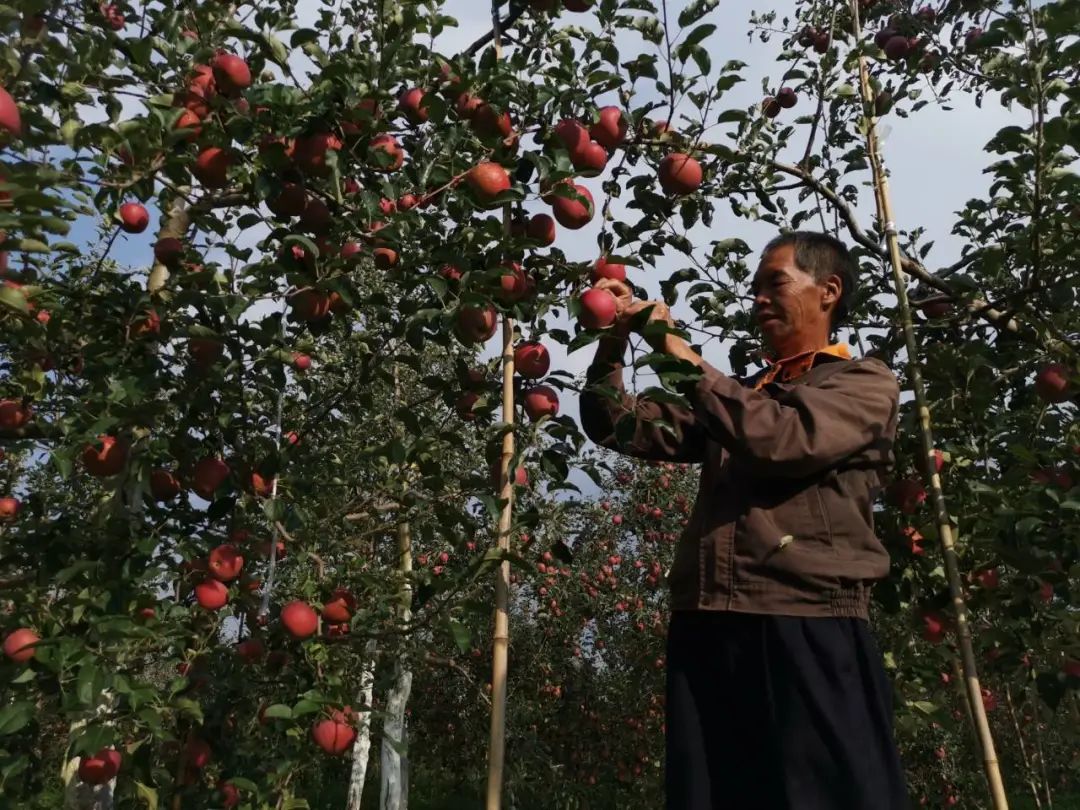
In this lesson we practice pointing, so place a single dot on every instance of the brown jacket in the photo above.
(783, 520)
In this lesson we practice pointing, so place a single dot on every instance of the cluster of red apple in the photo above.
(901, 41)
(335, 734)
(111, 15)
(785, 99)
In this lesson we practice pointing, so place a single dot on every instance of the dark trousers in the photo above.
(778, 713)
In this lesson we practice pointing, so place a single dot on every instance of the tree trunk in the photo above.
(395, 758)
(394, 776)
(362, 746)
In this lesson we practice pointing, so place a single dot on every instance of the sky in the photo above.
(935, 158)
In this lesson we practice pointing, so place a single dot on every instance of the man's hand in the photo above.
(658, 313)
(624, 299)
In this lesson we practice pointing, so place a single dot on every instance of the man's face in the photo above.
(789, 303)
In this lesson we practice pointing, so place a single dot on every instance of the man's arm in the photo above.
(601, 415)
(798, 431)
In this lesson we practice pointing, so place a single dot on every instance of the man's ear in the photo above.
(833, 289)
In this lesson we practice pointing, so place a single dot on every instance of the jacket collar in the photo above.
(789, 368)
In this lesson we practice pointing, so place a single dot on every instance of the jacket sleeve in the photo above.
(800, 429)
(610, 415)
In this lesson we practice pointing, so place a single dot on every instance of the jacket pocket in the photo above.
(786, 542)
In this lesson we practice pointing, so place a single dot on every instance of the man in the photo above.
(776, 694)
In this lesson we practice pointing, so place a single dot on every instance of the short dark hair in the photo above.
(821, 256)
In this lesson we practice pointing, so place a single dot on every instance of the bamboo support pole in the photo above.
(501, 633)
(945, 529)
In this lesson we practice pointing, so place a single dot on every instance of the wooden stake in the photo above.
(945, 530)
(501, 634)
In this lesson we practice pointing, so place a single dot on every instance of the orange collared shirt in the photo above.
(795, 366)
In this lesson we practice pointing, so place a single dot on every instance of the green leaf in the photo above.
(15, 716)
(462, 635)
(12, 298)
(279, 711)
(147, 794)
(305, 706)
(88, 685)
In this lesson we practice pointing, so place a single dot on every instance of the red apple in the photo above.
(476, 324)
(541, 228)
(897, 47)
(301, 362)
(531, 359)
(487, 122)
(133, 218)
(385, 257)
(935, 627)
(211, 594)
(339, 607)
(541, 401)
(197, 753)
(333, 736)
(205, 351)
(19, 644)
(936, 309)
(100, 768)
(251, 650)
(385, 153)
(164, 486)
(105, 458)
(9, 509)
(212, 166)
(464, 405)
(310, 305)
(610, 129)
(299, 619)
(112, 15)
(10, 120)
(514, 283)
(450, 273)
(573, 135)
(316, 216)
(680, 174)
(488, 180)
(260, 485)
(597, 309)
(605, 269)
(310, 151)
(365, 114)
(571, 212)
(906, 494)
(290, 201)
(787, 97)
(168, 250)
(13, 414)
(989, 578)
(225, 563)
(467, 105)
(590, 159)
(1052, 383)
(770, 107)
(411, 104)
(231, 73)
(209, 474)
